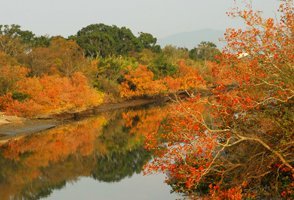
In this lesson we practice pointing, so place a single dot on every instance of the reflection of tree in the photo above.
(115, 135)
(55, 176)
(32, 166)
(41, 192)
(118, 165)
(126, 155)
(146, 123)
(6, 167)
(101, 147)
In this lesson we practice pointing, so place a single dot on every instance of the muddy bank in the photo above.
(21, 126)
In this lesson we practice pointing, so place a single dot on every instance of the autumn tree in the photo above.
(238, 142)
(6, 59)
(62, 57)
(52, 94)
(9, 76)
(11, 40)
(15, 42)
(186, 79)
(10, 73)
(140, 82)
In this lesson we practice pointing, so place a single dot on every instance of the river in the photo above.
(100, 157)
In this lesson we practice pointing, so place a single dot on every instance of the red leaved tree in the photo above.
(238, 142)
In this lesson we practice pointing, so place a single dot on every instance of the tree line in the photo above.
(103, 58)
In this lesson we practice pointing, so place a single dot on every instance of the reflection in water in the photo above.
(104, 147)
(117, 165)
(102, 152)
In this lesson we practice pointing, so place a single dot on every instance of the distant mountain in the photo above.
(193, 38)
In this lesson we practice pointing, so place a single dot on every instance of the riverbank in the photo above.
(105, 108)
(4, 119)
(12, 126)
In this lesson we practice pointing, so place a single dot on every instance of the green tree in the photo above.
(204, 51)
(14, 31)
(149, 42)
(103, 40)
(162, 67)
(42, 41)
(95, 40)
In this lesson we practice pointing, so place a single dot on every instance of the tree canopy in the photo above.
(104, 40)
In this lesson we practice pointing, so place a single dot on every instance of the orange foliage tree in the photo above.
(238, 142)
(9, 75)
(141, 82)
(63, 57)
(187, 79)
(6, 59)
(51, 94)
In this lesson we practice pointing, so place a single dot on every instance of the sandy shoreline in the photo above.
(11, 126)
(4, 119)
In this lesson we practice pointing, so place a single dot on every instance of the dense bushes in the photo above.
(49, 94)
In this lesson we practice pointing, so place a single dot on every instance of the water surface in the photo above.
(100, 157)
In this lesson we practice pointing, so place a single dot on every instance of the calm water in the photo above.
(96, 158)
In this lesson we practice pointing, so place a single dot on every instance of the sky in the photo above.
(158, 17)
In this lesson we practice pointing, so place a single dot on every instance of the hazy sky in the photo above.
(159, 17)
